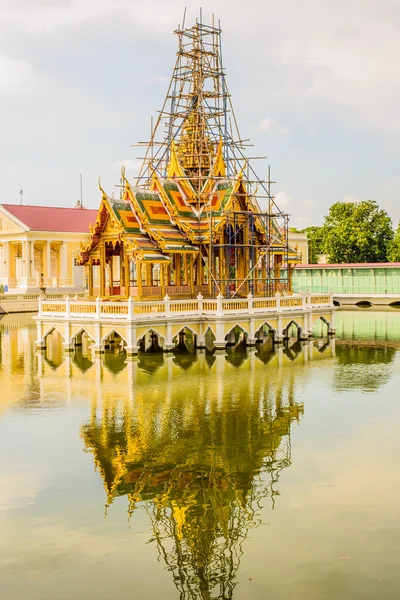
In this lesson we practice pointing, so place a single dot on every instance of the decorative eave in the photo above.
(138, 211)
(173, 246)
(175, 169)
(219, 167)
(188, 231)
(98, 225)
(176, 172)
(156, 186)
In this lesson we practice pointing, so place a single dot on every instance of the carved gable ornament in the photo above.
(8, 226)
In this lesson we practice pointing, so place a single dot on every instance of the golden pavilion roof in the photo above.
(186, 203)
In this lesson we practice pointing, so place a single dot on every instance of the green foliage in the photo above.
(393, 254)
(357, 232)
(315, 243)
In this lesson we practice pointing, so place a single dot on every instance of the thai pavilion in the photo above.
(192, 222)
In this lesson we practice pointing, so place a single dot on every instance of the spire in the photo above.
(197, 114)
(195, 148)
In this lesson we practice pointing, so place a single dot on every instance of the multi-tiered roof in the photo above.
(196, 194)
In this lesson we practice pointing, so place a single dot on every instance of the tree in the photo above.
(393, 254)
(357, 232)
(315, 243)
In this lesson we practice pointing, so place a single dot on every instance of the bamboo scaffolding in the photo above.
(198, 104)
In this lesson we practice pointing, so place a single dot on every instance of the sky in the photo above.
(315, 85)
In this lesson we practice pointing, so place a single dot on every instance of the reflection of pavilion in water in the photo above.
(200, 468)
(199, 439)
(46, 373)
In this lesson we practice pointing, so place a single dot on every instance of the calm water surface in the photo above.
(246, 475)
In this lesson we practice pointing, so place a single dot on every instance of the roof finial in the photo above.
(100, 188)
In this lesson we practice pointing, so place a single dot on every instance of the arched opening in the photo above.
(113, 342)
(336, 303)
(82, 339)
(151, 342)
(395, 304)
(364, 304)
(236, 346)
(209, 339)
(82, 343)
(54, 348)
(321, 328)
(265, 334)
(83, 350)
(185, 341)
(292, 332)
(237, 337)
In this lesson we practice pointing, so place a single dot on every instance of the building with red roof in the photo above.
(40, 245)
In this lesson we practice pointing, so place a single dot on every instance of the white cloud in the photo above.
(343, 55)
(333, 75)
(302, 222)
(51, 17)
(270, 125)
(283, 199)
(347, 58)
(132, 165)
(266, 124)
(309, 203)
(14, 74)
(350, 198)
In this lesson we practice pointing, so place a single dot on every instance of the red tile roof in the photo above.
(51, 218)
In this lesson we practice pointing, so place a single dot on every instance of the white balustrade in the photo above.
(131, 310)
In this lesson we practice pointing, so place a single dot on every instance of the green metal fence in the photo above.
(348, 279)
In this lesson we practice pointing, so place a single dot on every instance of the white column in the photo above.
(220, 341)
(31, 254)
(26, 253)
(279, 332)
(48, 262)
(6, 262)
(168, 342)
(63, 264)
(251, 340)
(6, 259)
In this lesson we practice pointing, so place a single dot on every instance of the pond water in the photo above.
(249, 474)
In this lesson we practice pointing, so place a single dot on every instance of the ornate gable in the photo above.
(8, 225)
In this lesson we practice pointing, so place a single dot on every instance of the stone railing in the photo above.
(218, 307)
(7, 297)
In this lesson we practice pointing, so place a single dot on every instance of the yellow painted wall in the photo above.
(270, 322)
(176, 328)
(288, 320)
(299, 241)
(159, 329)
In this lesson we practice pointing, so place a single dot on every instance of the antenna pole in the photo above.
(81, 190)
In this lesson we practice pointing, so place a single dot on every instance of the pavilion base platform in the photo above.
(168, 325)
